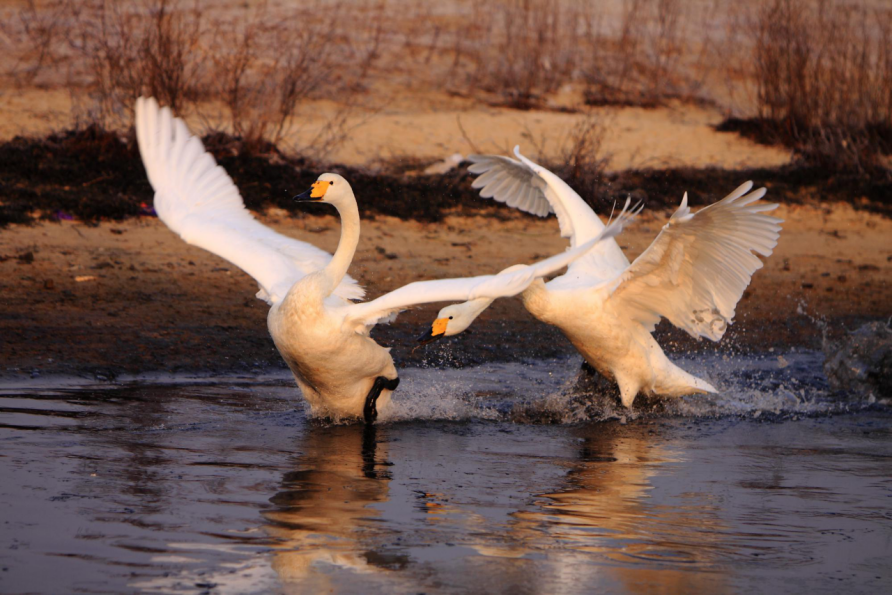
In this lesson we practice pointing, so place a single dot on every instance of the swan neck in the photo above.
(476, 307)
(479, 305)
(337, 267)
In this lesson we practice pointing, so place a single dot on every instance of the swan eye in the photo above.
(450, 318)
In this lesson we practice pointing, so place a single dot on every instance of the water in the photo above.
(224, 486)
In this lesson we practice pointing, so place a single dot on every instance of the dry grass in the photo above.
(268, 68)
(824, 80)
(820, 71)
(262, 62)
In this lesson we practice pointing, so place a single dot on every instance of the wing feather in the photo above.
(509, 282)
(697, 269)
(197, 199)
(531, 188)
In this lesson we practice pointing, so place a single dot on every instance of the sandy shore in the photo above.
(434, 126)
(133, 298)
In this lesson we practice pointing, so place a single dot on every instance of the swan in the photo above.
(321, 334)
(694, 273)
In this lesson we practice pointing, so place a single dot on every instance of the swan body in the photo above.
(694, 274)
(322, 335)
(627, 354)
(334, 366)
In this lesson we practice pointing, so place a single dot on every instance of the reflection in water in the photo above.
(596, 525)
(322, 515)
(172, 490)
(604, 509)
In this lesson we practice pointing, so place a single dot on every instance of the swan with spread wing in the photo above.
(322, 335)
(694, 274)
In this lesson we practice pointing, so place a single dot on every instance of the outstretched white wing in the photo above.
(530, 187)
(509, 282)
(196, 198)
(696, 270)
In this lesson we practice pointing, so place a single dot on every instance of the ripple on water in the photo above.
(229, 488)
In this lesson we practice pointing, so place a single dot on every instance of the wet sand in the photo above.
(132, 298)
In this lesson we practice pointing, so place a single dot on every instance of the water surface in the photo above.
(227, 487)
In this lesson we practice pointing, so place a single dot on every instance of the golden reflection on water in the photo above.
(597, 527)
(605, 510)
(323, 511)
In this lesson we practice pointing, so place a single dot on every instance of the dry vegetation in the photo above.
(817, 73)
(520, 51)
(261, 62)
(824, 79)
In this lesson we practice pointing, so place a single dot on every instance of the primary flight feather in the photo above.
(693, 274)
(320, 333)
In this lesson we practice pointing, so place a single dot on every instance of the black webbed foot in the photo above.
(370, 410)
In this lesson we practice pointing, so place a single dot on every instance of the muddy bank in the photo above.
(131, 297)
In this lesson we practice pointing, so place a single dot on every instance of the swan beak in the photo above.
(316, 192)
(436, 331)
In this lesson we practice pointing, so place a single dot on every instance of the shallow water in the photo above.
(225, 486)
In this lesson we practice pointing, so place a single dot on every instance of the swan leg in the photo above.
(370, 410)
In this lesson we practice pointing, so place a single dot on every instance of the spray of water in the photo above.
(768, 386)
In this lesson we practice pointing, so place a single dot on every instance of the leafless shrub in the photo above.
(264, 63)
(824, 80)
(536, 51)
(32, 38)
(133, 49)
(266, 70)
(522, 50)
(582, 155)
(518, 50)
(642, 64)
(580, 159)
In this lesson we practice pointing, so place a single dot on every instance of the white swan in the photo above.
(694, 274)
(321, 334)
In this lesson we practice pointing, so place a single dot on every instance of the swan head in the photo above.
(454, 319)
(330, 188)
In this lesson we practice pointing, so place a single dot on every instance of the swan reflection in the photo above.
(600, 527)
(323, 515)
(596, 525)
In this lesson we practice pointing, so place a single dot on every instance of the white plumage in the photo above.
(697, 269)
(196, 198)
(322, 335)
(694, 274)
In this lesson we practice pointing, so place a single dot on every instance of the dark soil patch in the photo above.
(788, 185)
(94, 175)
(788, 133)
(838, 148)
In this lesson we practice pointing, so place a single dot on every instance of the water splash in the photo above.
(770, 386)
(861, 361)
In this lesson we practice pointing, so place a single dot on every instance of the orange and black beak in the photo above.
(436, 331)
(315, 193)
